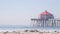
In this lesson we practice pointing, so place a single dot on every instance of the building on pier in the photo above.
(45, 19)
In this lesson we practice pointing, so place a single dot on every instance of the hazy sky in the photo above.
(19, 12)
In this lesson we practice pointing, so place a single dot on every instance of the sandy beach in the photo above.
(29, 32)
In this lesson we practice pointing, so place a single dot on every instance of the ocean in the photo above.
(19, 27)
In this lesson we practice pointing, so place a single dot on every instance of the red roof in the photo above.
(45, 13)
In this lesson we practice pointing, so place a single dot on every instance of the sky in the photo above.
(19, 12)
